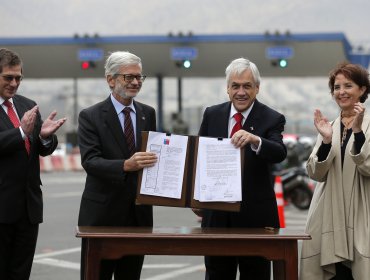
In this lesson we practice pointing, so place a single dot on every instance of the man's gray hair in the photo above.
(118, 59)
(238, 66)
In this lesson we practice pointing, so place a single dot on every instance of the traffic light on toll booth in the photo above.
(86, 65)
(186, 63)
(281, 63)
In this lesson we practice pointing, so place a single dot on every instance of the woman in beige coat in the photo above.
(339, 215)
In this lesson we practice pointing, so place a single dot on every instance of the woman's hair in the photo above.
(353, 72)
(118, 59)
(239, 65)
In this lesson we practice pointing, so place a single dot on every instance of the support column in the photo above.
(160, 103)
(179, 94)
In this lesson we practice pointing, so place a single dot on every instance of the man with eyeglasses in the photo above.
(23, 138)
(109, 138)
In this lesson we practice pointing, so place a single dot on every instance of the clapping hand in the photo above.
(50, 126)
(323, 126)
(28, 120)
(359, 117)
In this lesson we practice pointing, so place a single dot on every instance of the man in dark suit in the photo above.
(23, 138)
(109, 139)
(260, 134)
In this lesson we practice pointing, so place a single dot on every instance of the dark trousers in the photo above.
(17, 249)
(342, 272)
(225, 268)
(126, 268)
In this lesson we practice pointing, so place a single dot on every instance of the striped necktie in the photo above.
(129, 131)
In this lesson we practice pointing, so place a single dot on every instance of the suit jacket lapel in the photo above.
(251, 123)
(21, 109)
(223, 120)
(140, 124)
(19, 106)
(5, 119)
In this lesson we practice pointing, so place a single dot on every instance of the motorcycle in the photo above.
(297, 186)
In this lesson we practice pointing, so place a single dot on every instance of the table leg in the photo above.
(291, 261)
(279, 270)
(92, 259)
(288, 267)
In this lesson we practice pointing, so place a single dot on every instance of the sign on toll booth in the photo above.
(184, 53)
(279, 52)
(90, 54)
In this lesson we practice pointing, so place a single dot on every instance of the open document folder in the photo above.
(191, 171)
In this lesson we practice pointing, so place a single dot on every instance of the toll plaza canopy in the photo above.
(208, 55)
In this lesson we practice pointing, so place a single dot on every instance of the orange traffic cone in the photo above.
(278, 187)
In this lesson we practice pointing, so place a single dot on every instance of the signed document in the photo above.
(165, 178)
(218, 171)
(191, 171)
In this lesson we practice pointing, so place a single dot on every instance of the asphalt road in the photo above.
(58, 250)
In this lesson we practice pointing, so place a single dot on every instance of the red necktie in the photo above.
(129, 131)
(14, 119)
(238, 125)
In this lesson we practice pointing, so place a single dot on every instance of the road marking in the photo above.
(45, 258)
(76, 266)
(57, 253)
(161, 266)
(63, 180)
(64, 194)
(58, 263)
(175, 273)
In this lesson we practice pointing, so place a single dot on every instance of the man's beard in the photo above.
(119, 90)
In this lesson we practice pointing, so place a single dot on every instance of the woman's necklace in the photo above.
(347, 125)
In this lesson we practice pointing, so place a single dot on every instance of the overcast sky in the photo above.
(30, 18)
(46, 18)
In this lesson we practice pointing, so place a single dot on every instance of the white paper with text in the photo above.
(165, 178)
(218, 171)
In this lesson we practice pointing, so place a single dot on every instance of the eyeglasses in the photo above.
(10, 78)
(130, 77)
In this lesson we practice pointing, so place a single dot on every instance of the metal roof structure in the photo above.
(307, 54)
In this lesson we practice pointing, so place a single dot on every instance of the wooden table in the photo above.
(277, 245)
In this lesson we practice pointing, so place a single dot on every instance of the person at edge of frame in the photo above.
(24, 137)
(339, 217)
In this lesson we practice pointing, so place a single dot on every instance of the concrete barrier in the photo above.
(60, 163)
